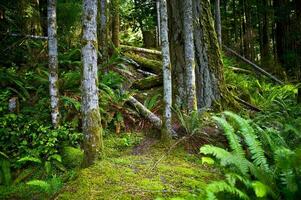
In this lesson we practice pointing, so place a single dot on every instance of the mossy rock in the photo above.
(72, 157)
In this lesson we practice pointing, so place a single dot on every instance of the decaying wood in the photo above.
(146, 64)
(148, 83)
(140, 50)
(256, 67)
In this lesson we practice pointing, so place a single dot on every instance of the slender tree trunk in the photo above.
(218, 23)
(189, 56)
(167, 129)
(91, 121)
(103, 31)
(53, 62)
(158, 22)
(115, 22)
(265, 41)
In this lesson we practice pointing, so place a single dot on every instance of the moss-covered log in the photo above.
(126, 48)
(148, 83)
(146, 64)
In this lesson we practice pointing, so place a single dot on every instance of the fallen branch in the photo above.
(240, 70)
(254, 65)
(29, 36)
(146, 113)
(247, 104)
(140, 50)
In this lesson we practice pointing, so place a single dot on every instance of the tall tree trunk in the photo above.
(209, 67)
(265, 41)
(91, 121)
(103, 31)
(167, 129)
(158, 7)
(189, 56)
(53, 62)
(218, 23)
(115, 22)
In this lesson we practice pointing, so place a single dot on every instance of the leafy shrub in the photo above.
(21, 136)
(249, 172)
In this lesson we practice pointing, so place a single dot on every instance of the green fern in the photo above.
(231, 136)
(222, 186)
(5, 172)
(226, 158)
(251, 140)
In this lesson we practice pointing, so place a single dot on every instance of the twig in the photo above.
(169, 150)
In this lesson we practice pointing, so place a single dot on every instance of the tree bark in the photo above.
(91, 121)
(209, 67)
(167, 84)
(53, 62)
(158, 22)
(103, 31)
(115, 22)
(218, 23)
(189, 56)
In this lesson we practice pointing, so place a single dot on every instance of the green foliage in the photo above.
(151, 102)
(254, 167)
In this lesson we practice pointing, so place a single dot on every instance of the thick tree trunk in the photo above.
(209, 67)
(53, 62)
(115, 22)
(218, 23)
(90, 109)
(167, 84)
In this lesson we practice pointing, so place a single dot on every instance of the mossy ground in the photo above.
(123, 175)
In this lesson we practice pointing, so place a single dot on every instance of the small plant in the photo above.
(249, 172)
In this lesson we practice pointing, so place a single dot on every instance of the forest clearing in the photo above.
(150, 99)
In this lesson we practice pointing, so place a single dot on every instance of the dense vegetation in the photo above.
(165, 112)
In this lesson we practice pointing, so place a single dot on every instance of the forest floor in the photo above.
(141, 170)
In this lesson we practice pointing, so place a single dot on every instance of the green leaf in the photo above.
(207, 160)
(41, 184)
(29, 159)
(260, 189)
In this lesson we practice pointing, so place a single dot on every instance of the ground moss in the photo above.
(128, 176)
(72, 157)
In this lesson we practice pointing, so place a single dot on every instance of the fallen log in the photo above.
(153, 66)
(148, 83)
(256, 67)
(146, 113)
(140, 50)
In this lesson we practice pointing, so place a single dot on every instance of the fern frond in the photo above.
(232, 179)
(231, 136)
(29, 159)
(41, 184)
(226, 158)
(251, 140)
(222, 186)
